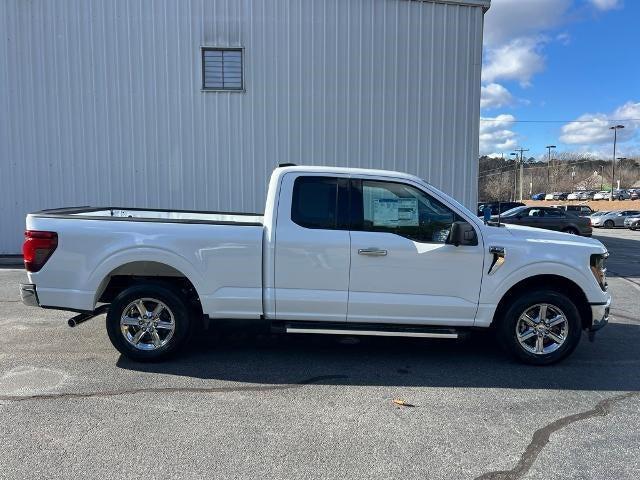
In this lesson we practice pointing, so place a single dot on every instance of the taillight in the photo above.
(38, 246)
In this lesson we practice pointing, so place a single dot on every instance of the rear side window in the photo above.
(553, 213)
(316, 201)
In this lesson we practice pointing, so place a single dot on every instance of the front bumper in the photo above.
(600, 315)
(29, 295)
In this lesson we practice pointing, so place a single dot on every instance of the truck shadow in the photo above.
(611, 363)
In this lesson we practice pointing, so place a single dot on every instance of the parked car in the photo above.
(560, 195)
(549, 196)
(338, 251)
(613, 219)
(580, 210)
(587, 195)
(621, 195)
(632, 222)
(635, 195)
(538, 196)
(497, 207)
(548, 218)
(574, 196)
(602, 195)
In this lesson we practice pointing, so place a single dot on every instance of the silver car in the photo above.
(613, 219)
(632, 222)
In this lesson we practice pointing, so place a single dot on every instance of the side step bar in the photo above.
(378, 330)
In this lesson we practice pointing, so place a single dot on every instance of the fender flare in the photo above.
(104, 268)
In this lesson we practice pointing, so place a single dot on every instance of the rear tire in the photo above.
(148, 322)
(609, 224)
(571, 231)
(538, 337)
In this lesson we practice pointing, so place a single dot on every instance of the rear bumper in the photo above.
(600, 315)
(29, 295)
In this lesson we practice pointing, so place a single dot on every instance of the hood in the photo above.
(548, 236)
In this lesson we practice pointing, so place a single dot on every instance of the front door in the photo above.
(312, 249)
(402, 271)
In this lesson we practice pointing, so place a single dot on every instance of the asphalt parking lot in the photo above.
(251, 406)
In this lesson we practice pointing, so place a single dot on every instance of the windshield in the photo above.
(513, 212)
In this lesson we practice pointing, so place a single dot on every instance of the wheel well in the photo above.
(135, 273)
(548, 282)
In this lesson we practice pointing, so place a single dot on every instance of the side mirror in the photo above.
(462, 233)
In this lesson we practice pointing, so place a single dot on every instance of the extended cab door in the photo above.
(312, 248)
(401, 269)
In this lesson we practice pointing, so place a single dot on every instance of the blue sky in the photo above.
(561, 60)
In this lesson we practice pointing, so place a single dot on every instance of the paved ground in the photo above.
(311, 407)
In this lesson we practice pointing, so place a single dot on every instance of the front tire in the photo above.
(540, 328)
(609, 224)
(148, 322)
(571, 231)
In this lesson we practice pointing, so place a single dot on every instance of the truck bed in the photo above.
(153, 215)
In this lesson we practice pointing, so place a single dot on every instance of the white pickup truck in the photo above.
(338, 251)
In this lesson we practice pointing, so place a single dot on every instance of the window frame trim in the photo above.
(357, 224)
(204, 48)
(343, 196)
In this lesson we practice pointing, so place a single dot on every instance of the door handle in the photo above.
(372, 252)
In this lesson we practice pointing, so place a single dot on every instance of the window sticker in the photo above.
(395, 212)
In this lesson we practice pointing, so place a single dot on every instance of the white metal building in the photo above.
(191, 103)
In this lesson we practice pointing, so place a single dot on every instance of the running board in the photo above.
(371, 330)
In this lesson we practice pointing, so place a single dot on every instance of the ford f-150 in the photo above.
(337, 251)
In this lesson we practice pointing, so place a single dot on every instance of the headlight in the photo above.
(599, 270)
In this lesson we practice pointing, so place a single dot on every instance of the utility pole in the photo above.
(549, 147)
(515, 174)
(613, 162)
(521, 150)
(573, 178)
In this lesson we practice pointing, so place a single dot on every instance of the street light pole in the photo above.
(549, 147)
(613, 163)
(621, 159)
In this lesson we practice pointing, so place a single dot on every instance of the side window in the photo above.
(404, 210)
(536, 212)
(320, 202)
(554, 213)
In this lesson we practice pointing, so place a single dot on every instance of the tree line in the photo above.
(567, 172)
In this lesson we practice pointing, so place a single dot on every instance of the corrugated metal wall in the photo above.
(100, 101)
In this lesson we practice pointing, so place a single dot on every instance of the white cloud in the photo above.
(564, 38)
(495, 95)
(495, 135)
(518, 60)
(593, 128)
(605, 5)
(509, 19)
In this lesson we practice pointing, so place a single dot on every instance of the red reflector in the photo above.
(38, 246)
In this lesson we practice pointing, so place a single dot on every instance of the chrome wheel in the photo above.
(147, 324)
(542, 329)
